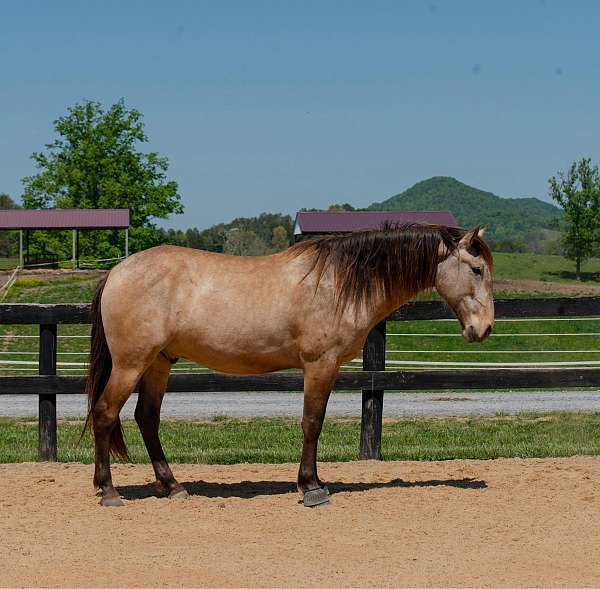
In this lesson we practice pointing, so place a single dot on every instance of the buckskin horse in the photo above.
(309, 307)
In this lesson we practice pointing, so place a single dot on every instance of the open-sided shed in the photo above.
(73, 219)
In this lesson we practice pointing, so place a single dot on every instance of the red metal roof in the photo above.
(343, 221)
(64, 218)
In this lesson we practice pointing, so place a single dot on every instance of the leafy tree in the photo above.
(6, 201)
(95, 163)
(280, 239)
(341, 207)
(264, 226)
(578, 192)
(241, 242)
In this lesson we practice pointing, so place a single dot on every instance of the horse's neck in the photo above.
(381, 308)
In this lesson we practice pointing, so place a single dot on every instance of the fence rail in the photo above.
(373, 380)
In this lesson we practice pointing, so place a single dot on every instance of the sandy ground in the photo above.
(460, 523)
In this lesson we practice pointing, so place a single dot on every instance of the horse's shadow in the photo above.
(250, 489)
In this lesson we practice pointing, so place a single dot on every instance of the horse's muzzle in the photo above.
(471, 335)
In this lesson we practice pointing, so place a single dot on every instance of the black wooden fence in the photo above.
(373, 380)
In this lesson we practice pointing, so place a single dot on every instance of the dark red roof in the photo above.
(342, 221)
(64, 219)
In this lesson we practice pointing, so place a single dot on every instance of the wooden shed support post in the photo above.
(74, 248)
(47, 402)
(126, 243)
(372, 400)
(21, 248)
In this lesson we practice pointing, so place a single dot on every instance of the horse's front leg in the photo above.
(318, 380)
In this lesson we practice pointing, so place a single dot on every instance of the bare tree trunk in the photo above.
(578, 268)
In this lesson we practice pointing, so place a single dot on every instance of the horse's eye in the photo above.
(477, 271)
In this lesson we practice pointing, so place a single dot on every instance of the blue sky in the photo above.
(272, 106)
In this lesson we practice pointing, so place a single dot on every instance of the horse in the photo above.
(309, 307)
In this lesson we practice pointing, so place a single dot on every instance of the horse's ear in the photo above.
(469, 237)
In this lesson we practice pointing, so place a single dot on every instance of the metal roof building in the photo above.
(322, 222)
(64, 219)
(73, 219)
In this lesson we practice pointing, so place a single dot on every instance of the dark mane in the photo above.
(394, 259)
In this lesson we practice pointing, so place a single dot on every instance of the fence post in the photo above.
(47, 451)
(372, 400)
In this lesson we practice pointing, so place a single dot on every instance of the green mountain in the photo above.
(512, 224)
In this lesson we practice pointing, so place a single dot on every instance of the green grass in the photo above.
(68, 289)
(8, 263)
(542, 267)
(501, 344)
(229, 441)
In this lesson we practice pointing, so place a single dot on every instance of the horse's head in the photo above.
(464, 280)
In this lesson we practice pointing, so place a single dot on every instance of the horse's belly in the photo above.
(240, 365)
(235, 361)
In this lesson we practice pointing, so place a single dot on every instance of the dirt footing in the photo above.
(456, 523)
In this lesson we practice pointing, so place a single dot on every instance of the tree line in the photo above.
(96, 162)
(250, 236)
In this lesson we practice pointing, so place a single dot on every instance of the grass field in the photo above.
(228, 441)
(542, 267)
(511, 341)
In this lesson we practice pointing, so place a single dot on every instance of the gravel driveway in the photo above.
(198, 405)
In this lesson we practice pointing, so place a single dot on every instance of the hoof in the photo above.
(113, 501)
(322, 505)
(179, 494)
(316, 497)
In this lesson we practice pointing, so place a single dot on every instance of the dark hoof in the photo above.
(112, 501)
(179, 494)
(322, 505)
(316, 497)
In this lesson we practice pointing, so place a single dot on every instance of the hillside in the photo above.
(513, 224)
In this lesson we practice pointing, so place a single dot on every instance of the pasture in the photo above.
(546, 268)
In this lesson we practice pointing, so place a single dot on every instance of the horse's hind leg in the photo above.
(147, 415)
(105, 419)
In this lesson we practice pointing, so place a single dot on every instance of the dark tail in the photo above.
(99, 372)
